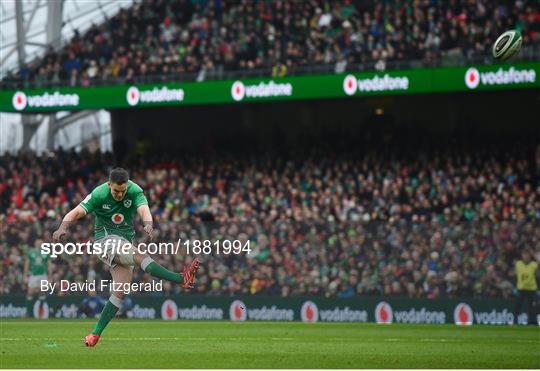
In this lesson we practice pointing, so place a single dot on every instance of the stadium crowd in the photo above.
(437, 225)
(205, 39)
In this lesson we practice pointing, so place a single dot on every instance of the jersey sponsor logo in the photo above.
(127, 203)
(238, 311)
(117, 218)
(106, 206)
(239, 91)
(384, 313)
(463, 315)
(309, 312)
(169, 310)
(20, 100)
(474, 78)
(41, 309)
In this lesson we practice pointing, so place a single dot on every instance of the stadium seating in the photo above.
(188, 40)
(447, 224)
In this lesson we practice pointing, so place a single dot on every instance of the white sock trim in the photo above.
(116, 301)
(146, 262)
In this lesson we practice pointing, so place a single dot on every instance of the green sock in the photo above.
(159, 271)
(108, 313)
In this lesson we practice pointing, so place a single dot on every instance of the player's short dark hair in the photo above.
(118, 176)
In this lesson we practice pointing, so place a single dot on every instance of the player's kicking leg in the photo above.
(120, 274)
(186, 279)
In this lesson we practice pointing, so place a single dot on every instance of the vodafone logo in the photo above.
(237, 311)
(117, 218)
(169, 310)
(463, 315)
(384, 313)
(41, 310)
(133, 95)
(472, 78)
(262, 89)
(238, 90)
(19, 101)
(350, 84)
(309, 312)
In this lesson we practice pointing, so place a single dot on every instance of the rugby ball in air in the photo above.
(507, 45)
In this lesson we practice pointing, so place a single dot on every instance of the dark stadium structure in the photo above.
(356, 124)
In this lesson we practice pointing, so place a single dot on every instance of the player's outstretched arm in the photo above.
(70, 218)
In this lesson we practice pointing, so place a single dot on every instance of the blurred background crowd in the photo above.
(437, 223)
(162, 40)
(321, 218)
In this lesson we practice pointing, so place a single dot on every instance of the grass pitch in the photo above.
(160, 344)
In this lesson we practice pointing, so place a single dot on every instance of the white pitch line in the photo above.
(154, 339)
(250, 339)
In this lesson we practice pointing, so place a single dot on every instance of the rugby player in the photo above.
(36, 269)
(115, 204)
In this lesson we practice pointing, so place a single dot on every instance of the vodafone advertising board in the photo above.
(466, 79)
(381, 310)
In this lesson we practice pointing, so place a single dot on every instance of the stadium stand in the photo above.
(441, 224)
(197, 40)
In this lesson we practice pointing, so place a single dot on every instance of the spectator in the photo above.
(322, 223)
(279, 70)
(91, 306)
(526, 270)
(244, 36)
(72, 63)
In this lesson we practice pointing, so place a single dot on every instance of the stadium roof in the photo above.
(76, 15)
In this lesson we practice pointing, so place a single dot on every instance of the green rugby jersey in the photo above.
(114, 217)
(38, 262)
